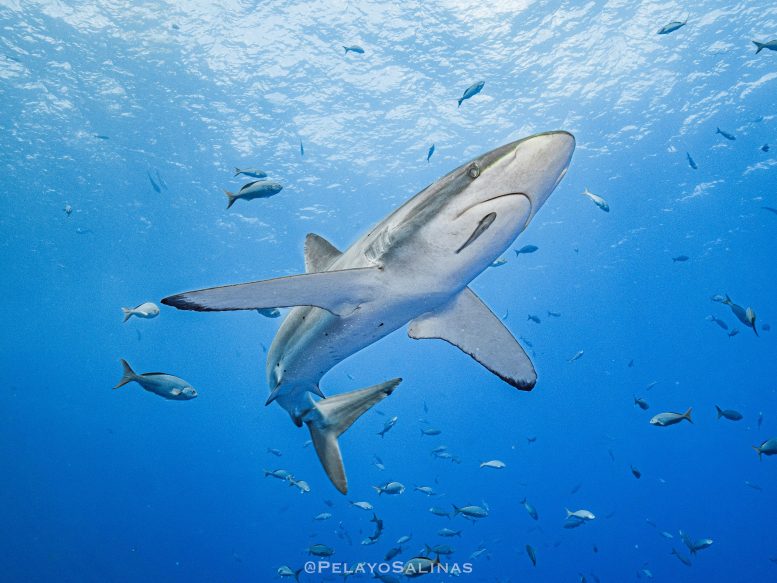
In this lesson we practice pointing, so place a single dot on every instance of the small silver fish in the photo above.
(354, 49)
(448, 532)
(666, 419)
(672, 26)
(388, 425)
(286, 571)
(495, 464)
(580, 514)
(439, 512)
(768, 447)
(146, 310)
(279, 474)
(162, 384)
(253, 190)
(530, 509)
(771, 45)
(320, 550)
(682, 558)
(269, 312)
(252, 172)
(392, 488)
(428, 490)
(577, 356)
(729, 414)
(597, 200)
(471, 91)
(532, 555)
(471, 511)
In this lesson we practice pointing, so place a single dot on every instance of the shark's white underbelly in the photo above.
(311, 341)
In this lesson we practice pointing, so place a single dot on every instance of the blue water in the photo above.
(102, 485)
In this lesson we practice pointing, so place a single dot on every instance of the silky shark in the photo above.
(412, 268)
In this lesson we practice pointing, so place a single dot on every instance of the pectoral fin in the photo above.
(339, 292)
(466, 322)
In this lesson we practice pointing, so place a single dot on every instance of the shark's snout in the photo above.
(539, 163)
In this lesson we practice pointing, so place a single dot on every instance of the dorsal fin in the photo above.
(319, 253)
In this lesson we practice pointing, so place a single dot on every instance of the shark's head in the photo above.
(469, 217)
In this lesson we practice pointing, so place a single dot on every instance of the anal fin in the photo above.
(466, 322)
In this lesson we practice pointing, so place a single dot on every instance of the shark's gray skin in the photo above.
(411, 268)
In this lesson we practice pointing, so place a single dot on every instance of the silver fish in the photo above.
(160, 383)
(665, 419)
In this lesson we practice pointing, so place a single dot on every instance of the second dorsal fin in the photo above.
(319, 253)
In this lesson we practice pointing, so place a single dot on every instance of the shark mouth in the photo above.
(483, 225)
(489, 219)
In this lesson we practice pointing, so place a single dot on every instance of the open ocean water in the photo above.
(121, 123)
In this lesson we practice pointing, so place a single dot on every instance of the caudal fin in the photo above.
(231, 198)
(127, 313)
(459, 100)
(687, 415)
(758, 451)
(331, 417)
(759, 46)
(129, 374)
(296, 575)
(720, 411)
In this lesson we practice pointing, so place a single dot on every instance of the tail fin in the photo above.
(568, 512)
(346, 49)
(455, 510)
(720, 411)
(296, 575)
(331, 417)
(687, 415)
(758, 451)
(759, 46)
(232, 198)
(237, 171)
(460, 100)
(129, 374)
(378, 489)
(717, 131)
(127, 313)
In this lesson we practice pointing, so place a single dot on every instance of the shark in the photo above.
(413, 268)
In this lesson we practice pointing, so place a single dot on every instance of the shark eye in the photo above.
(474, 170)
